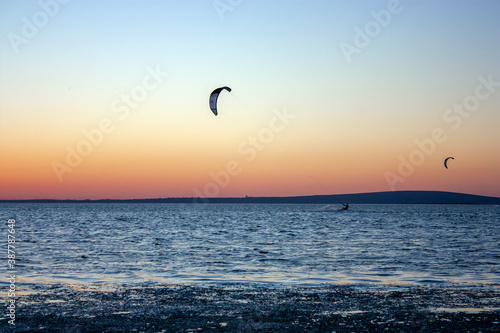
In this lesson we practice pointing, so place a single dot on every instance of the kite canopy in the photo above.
(446, 161)
(214, 96)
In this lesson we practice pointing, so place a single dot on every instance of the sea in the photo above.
(275, 244)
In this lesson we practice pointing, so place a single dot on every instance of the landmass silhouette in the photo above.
(392, 197)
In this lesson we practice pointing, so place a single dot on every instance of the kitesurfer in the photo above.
(346, 206)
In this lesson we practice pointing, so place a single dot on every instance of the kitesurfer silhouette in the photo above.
(346, 206)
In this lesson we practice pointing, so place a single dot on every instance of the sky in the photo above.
(109, 99)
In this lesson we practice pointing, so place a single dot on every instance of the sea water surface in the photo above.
(116, 243)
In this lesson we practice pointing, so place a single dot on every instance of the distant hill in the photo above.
(396, 197)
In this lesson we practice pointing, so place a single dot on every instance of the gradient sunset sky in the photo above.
(109, 99)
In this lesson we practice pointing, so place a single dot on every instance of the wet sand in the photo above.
(243, 308)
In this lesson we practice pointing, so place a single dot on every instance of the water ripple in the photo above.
(295, 244)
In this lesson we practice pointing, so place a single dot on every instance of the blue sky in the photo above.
(273, 54)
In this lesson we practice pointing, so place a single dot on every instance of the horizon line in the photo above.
(250, 197)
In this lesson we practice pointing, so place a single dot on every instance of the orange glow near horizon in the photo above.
(146, 174)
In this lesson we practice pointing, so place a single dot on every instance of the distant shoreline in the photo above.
(396, 197)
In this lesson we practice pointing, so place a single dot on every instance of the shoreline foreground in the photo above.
(257, 308)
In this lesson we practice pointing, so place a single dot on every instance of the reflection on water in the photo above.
(465, 310)
(291, 244)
